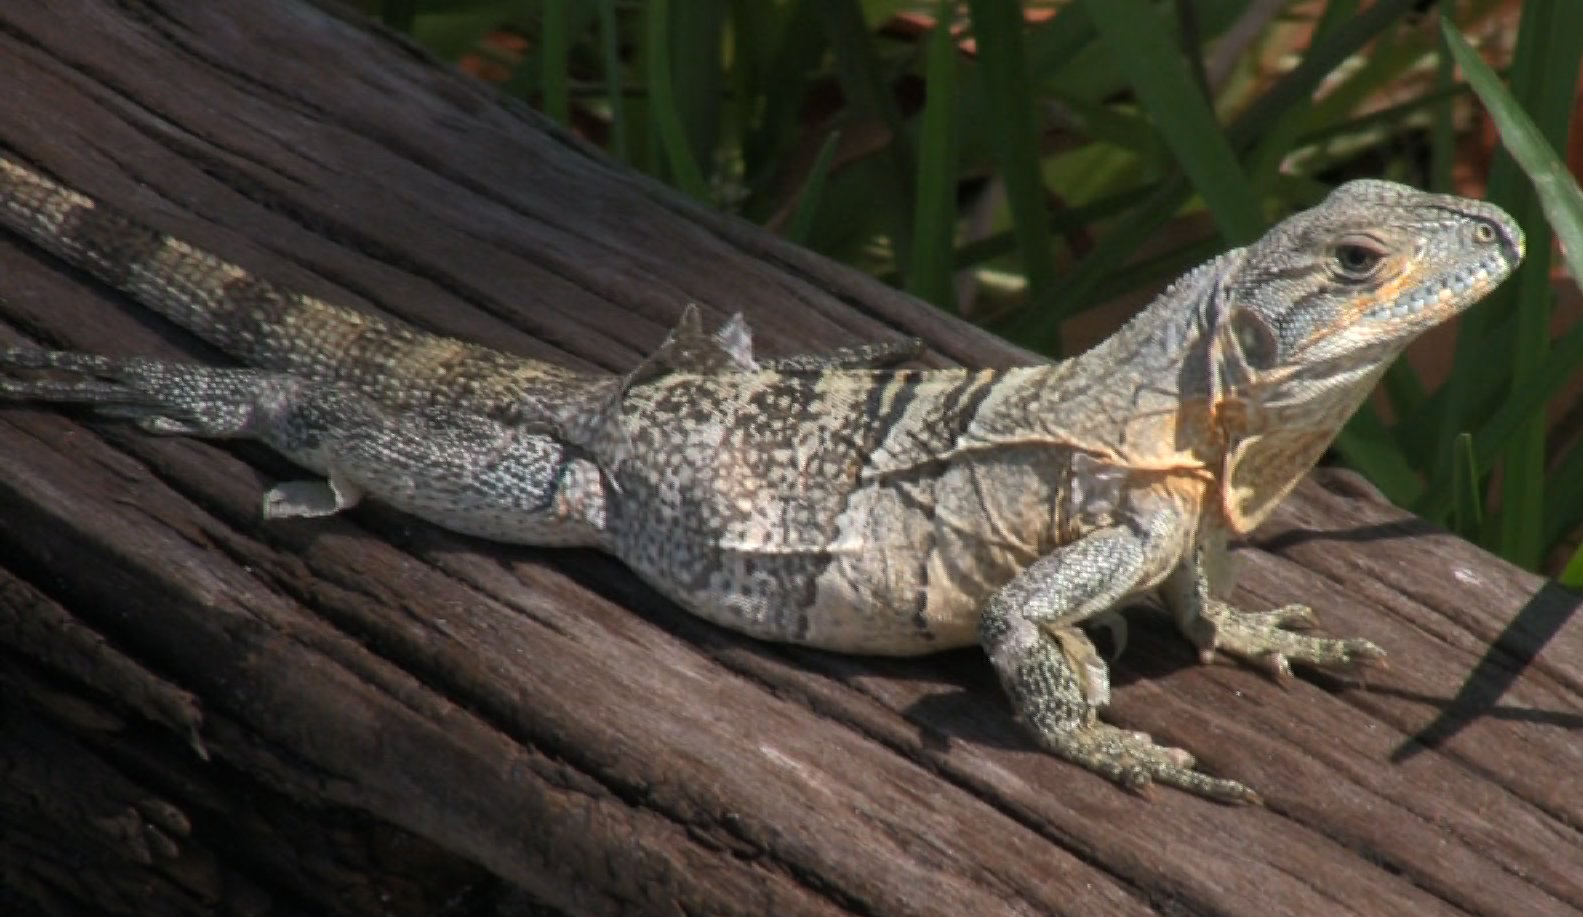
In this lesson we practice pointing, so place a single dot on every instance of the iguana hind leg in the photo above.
(1054, 676)
(466, 472)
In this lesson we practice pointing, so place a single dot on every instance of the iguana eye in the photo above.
(1357, 260)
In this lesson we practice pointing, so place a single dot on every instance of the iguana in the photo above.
(827, 500)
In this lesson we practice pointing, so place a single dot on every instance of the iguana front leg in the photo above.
(1265, 639)
(1055, 678)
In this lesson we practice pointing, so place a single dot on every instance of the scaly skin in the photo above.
(818, 502)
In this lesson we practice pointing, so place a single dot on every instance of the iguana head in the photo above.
(1313, 312)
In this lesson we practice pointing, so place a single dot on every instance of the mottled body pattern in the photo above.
(821, 499)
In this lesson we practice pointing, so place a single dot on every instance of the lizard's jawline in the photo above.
(1464, 287)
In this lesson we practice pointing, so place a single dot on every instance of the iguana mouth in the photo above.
(1463, 286)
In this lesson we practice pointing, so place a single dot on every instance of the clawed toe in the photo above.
(1271, 641)
(1138, 763)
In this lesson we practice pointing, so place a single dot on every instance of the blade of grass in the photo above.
(1403, 391)
(667, 121)
(1053, 45)
(1545, 67)
(1366, 445)
(1523, 405)
(868, 94)
(1385, 120)
(745, 51)
(696, 76)
(1037, 327)
(1033, 327)
(615, 79)
(934, 226)
(1564, 500)
(1165, 86)
(1160, 268)
(1270, 155)
(1127, 130)
(1559, 194)
(1572, 575)
(1297, 87)
(1063, 220)
(798, 44)
(1067, 219)
(1394, 53)
(1014, 125)
(554, 61)
(808, 202)
(1468, 511)
(1335, 13)
(1190, 40)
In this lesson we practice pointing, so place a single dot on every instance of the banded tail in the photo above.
(259, 322)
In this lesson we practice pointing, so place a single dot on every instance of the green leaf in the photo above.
(789, 58)
(1367, 446)
(1403, 390)
(697, 80)
(1523, 405)
(1105, 124)
(1176, 104)
(615, 79)
(1546, 62)
(662, 103)
(1065, 219)
(808, 202)
(1014, 134)
(1036, 327)
(1469, 513)
(868, 94)
(1559, 194)
(1572, 575)
(934, 228)
(1564, 498)
(555, 61)
(1297, 88)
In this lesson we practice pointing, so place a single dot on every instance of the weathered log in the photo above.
(203, 712)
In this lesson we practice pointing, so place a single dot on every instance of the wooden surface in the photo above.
(200, 712)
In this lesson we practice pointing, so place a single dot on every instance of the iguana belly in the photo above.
(898, 566)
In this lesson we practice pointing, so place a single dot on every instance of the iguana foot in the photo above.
(1268, 641)
(1133, 760)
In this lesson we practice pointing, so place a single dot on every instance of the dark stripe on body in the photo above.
(879, 419)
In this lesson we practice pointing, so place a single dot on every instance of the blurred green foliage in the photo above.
(1038, 159)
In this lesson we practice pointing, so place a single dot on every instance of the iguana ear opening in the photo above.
(1255, 340)
(1261, 470)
